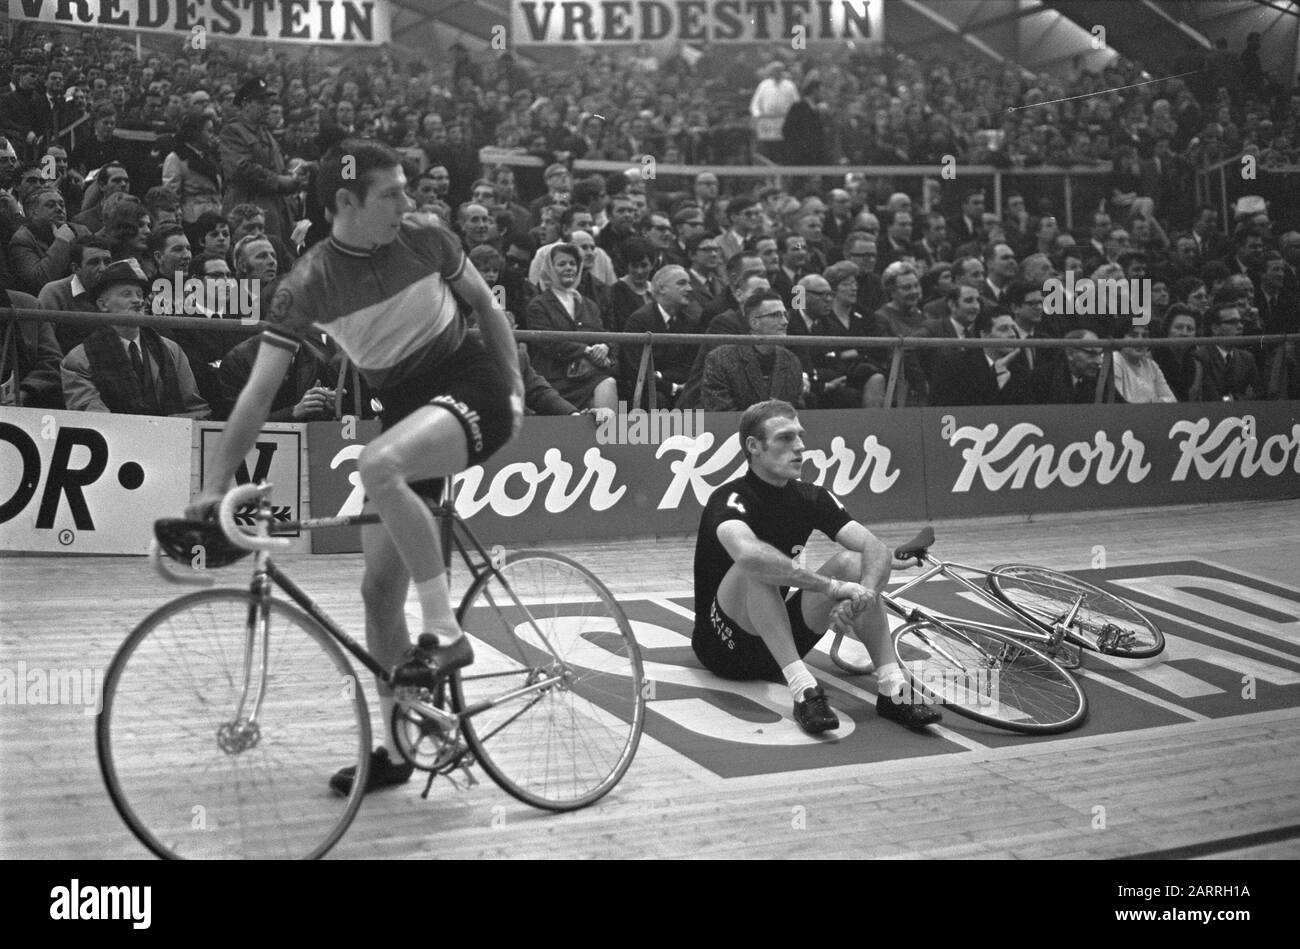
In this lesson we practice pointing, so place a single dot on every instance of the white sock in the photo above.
(435, 604)
(798, 678)
(890, 679)
(386, 712)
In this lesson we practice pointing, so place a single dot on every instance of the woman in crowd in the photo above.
(1137, 376)
(580, 373)
(632, 291)
(210, 234)
(1178, 364)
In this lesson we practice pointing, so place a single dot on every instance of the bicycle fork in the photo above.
(242, 732)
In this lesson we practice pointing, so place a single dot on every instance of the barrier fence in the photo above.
(1278, 371)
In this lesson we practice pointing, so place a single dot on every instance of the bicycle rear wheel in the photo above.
(189, 772)
(987, 676)
(1104, 622)
(554, 697)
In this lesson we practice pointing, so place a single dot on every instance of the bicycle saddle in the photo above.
(917, 547)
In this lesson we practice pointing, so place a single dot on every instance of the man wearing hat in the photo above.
(130, 370)
(252, 163)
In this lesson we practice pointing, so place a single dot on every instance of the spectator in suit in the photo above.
(897, 243)
(686, 223)
(670, 313)
(1071, 379)
(41, 250)
(1211, 243)
(112, 179)
(968, 226)
(102, 147)
(706, 199)
(129, 369)
(169, 252)
(728, 322)
(19, 114)
(89, 256)
(994, 376)
(559, 186)
(737, 376)
(1248, 251)
(933, 247)
(707, 285)
(746, 218)
(192, 170)
(1138, 378)
(1179, 365)
(621, 226)
(1228, 373)
(963, 304)
(1001, 267)
(252, 164)
(34, 382)
(307, 393)
(839, 218)
(793, 248)
(579, 372)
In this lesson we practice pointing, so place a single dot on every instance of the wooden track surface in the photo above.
(1162, 788)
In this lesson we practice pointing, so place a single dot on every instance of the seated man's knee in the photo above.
(845, 565)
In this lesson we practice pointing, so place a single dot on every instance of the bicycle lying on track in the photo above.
(225, 711)
(1012, 677)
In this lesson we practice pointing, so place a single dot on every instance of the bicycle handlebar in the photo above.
(159, 564)
(236, 496)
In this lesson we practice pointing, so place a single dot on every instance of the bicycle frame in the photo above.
(948, 570)
(454, 533)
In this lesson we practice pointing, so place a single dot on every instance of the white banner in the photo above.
(354, 22)
(89, 482)
(717, 21)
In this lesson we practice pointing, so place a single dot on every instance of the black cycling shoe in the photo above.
(384, 773)
(433, 664)
(814, 713)
(907, 714)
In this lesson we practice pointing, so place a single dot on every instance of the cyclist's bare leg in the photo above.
(757, 608)
(870, 626)
(383, 589)
(428, 443)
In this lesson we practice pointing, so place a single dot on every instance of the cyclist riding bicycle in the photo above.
(381, 286)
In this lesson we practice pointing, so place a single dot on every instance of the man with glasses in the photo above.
(658, 231)
(1072, 379)
(706, 260)
(686, 223)
(860, 249)
(738, 376)
(1228, 373)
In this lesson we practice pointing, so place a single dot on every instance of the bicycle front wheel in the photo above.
(190, 767)
(1103, 623)
(988, 677)
(553, 703)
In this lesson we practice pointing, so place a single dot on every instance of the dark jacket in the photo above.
(964, 377)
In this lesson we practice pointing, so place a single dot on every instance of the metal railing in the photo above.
(895, 387)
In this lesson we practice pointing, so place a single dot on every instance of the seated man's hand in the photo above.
(316, 403)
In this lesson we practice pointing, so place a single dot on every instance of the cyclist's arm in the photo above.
(767, 564)
(494, 326)
(246, 421)
(877, 562)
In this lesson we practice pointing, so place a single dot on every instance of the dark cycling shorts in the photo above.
(728, 651)
(470, 386)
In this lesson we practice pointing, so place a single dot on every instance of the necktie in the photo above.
(137, 363)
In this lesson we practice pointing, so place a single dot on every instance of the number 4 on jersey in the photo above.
(735, 503)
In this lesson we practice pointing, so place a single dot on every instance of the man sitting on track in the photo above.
(750, 531)
(381, 286)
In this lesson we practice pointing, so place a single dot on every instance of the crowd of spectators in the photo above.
(201, 164)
